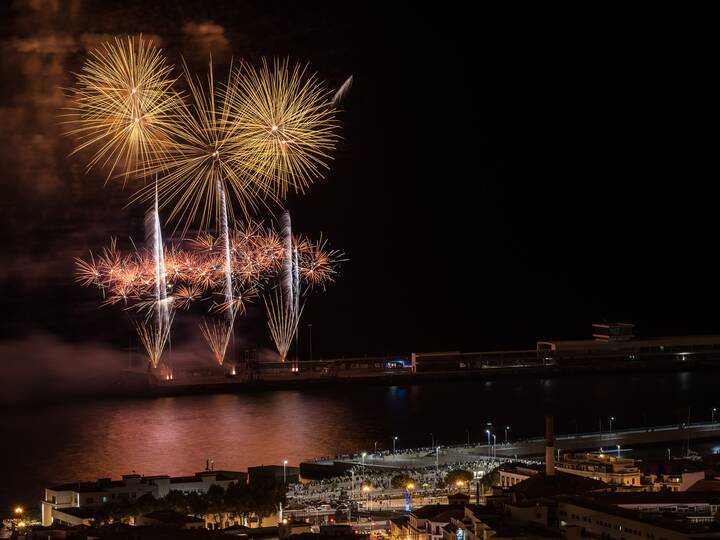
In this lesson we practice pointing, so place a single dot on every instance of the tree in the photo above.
(458, 475)
(401, 480)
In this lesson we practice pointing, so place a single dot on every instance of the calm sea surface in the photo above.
(83, 441)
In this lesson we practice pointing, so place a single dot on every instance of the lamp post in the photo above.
(506, 437)
(611, 421)
(363, 462)
(310, 339)
(437, 457)
(432, 438)
(366, 489)
(487, 431)
(494, 443)
(394, 439)
(713, 415)
(285, 471)
(618, 449)
(375, 449)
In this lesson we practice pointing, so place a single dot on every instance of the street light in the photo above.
(394, 439)
(618, 449)
(18, 510)
(488, 435)
(494, 441)
(432, 438)
(611, 421)
(437, 456)
(310, 332)
(375, 450)
(366, 490)
(285, 471)
(363, 461)
(506, 430)
(713, 414)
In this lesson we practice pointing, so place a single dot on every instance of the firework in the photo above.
(154, 336)
(285, 125)
(316, 263)
(283, 320)
(217, 334)
(123, 108)
(203, 164)
(342, 92)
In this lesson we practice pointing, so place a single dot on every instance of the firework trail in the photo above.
(225, 232)
(287, 271)
(283, 306)
(163, 305)
(342, 92)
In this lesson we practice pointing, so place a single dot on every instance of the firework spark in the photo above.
(123, 107)
(154, 335)
(283, 320)
(217, 334)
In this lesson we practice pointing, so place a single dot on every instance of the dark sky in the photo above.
(506, 174)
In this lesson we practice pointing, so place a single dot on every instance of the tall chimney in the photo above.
(549, 446)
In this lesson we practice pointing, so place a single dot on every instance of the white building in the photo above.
(80, 498)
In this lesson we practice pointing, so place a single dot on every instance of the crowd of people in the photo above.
(428, 480)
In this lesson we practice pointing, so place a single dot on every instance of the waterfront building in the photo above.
(613, 470)
(514, 473)
(74, 503)
(276, 474)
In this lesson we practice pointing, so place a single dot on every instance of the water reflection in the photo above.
(176, 435)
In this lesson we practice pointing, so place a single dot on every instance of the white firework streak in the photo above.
(225, 232)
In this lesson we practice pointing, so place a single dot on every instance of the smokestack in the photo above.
(549, 446)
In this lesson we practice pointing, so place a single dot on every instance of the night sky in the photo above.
(505, 175)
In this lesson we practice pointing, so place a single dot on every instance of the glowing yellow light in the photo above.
(19, 509)
(274, 128)
(410, 486)
(459, 483)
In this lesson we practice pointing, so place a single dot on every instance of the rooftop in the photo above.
(440, 512)
(560, 483)
(675, 522)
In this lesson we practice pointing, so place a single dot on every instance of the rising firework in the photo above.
(123, 108)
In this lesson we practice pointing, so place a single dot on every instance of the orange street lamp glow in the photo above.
(19, 510)
(459, 483)
(410, 486)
